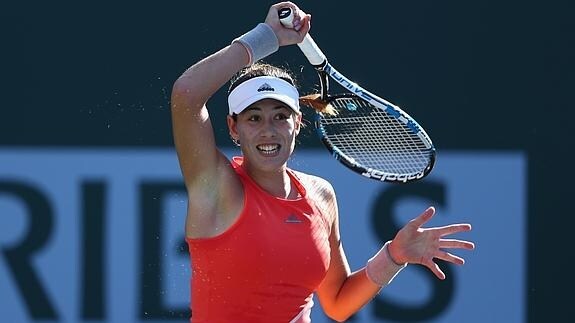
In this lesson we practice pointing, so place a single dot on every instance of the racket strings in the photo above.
(375, 139)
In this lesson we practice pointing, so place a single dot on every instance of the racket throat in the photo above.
(324, 82)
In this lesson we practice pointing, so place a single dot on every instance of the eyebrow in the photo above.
(257, 108)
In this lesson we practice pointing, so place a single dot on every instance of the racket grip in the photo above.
(308, 46)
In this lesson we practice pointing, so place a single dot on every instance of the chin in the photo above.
(269, 163)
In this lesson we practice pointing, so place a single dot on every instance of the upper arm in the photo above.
(193, 138)
(323, 193)
(338, 269)
(343, 292)
(213, 189)
(191, 125)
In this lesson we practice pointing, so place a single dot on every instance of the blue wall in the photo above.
(107, 236)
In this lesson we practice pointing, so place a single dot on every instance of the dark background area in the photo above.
(481, 75)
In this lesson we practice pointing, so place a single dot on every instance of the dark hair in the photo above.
(261, 69)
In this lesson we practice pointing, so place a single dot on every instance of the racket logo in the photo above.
(351, 86)
(382, 176)
(265, 87)
(350, 106)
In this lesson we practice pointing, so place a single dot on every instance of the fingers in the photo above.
(435, 269)
(453, 228)
(423, 245)
(284, 4)
(299, 17)
(446, 256)
(423, 217)
(456, 244)
(300, 25)
(444, 230)
(305, 25)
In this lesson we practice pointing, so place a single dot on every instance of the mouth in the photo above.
(269, 149)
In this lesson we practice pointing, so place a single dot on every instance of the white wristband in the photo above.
(381, 268)
(259, 42)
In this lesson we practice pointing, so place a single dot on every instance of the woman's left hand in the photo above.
(414, 244)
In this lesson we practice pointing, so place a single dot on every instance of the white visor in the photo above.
(262, 87)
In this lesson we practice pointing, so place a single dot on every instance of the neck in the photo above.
(277, 183)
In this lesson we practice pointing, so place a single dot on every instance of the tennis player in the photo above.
(263, 238)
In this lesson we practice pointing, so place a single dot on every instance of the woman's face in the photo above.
(266, 131)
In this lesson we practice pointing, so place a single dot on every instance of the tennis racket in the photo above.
(368, 134)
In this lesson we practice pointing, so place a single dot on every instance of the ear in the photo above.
(233, 127)
(298, 119)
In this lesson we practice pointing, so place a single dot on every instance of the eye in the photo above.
(282, 116)
(254, 117)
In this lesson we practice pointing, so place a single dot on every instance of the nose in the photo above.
(268, 128)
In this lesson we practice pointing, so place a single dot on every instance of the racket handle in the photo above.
(308, 46)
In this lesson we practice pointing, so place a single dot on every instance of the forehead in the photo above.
(268, 105)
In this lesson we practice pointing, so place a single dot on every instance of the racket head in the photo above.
(381, 144)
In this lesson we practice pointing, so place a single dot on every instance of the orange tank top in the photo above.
(267, 265)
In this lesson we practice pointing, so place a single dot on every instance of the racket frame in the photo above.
(324, 69)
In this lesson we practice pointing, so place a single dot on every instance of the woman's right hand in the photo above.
(289, 36)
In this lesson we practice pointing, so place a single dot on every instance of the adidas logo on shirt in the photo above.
(265, 87)
(292, 219)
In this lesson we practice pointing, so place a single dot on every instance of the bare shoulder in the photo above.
(215, 199)
(316, 185)
(321, 191)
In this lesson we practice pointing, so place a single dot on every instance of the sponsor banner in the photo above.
(98, 234)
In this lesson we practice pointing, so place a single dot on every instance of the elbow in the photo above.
(181, 87)
(185, 96)
(338, 316)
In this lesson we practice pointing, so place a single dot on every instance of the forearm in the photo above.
(204, 78)
(356, 292)
(199, 82)
(358, 288)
